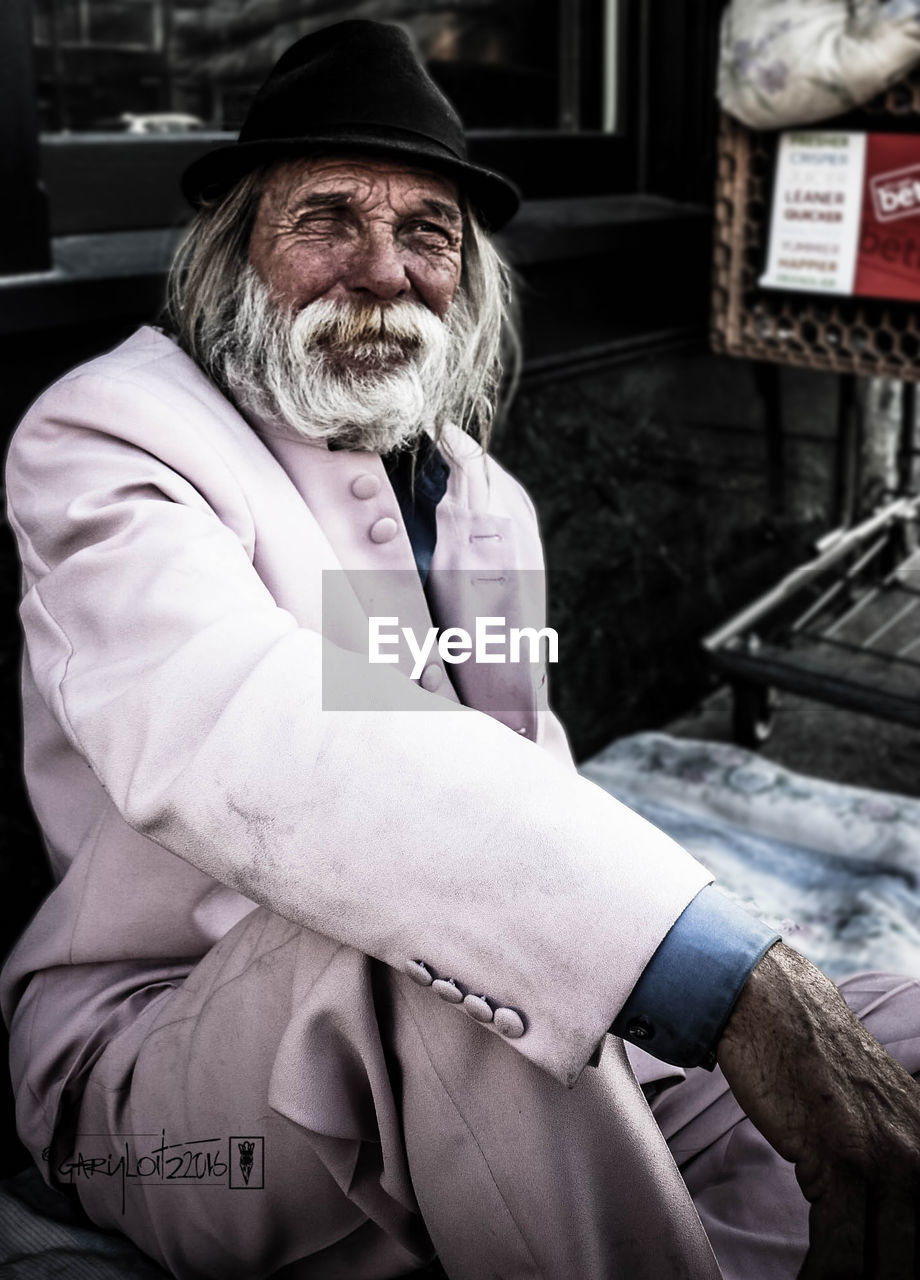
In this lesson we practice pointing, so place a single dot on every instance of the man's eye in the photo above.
(433, 230)
(321, 221)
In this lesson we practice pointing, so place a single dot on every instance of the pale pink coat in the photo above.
(182, 767)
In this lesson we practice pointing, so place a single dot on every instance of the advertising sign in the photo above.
(846, 215)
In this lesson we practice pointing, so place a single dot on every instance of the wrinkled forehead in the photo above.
(362, 181)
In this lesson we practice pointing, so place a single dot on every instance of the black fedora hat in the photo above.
(356, 86)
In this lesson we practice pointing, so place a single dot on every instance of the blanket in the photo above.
(835, 869)
(784, 63)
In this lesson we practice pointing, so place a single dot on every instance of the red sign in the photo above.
(888, 254)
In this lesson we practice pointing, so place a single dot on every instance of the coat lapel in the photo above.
(476, 573)
(475, 570)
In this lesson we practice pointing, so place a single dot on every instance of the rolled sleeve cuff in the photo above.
(678, 1009)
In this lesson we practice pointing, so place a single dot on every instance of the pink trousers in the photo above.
(294, 1105)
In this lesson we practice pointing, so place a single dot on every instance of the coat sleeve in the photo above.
(196, 701)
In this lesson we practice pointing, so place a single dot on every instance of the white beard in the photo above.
(368, 377)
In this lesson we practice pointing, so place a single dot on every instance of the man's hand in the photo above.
(829, 1098)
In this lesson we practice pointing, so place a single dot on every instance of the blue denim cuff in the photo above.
(678, 1009)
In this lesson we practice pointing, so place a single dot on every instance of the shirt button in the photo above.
(431, 678)
(366, 486)
(640, 1029)
(418, 972)
(384, 530)
(448, 990)
(508, 1023)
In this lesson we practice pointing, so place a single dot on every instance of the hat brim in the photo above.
(495, 198)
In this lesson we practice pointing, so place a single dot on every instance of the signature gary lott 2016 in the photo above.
(235, 1162)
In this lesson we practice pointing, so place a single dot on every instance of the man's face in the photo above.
(348, 318)
(359, 231)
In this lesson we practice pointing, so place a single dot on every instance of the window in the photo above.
(536, 82)
(507, 64)
(65, 25)
(95, 59)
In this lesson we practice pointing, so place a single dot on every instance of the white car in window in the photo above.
(160, 122)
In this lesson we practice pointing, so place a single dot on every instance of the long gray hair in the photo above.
(214, 251)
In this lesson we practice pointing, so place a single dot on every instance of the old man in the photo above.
(326, 989)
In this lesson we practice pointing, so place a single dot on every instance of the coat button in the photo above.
(448, 990)
(384, 530)
(431, 678)
(640, 1029)
(418, 972)
(478, 1007)
(366, 486)
(509, 1023)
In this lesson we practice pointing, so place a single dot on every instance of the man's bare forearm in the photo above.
(831, 1100)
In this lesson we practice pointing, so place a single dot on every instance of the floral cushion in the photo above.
(791, 62)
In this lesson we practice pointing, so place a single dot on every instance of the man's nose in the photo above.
(377, 266)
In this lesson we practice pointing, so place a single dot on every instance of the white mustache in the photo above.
(367, 330)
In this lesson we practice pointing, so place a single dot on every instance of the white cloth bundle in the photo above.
(791, 62)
